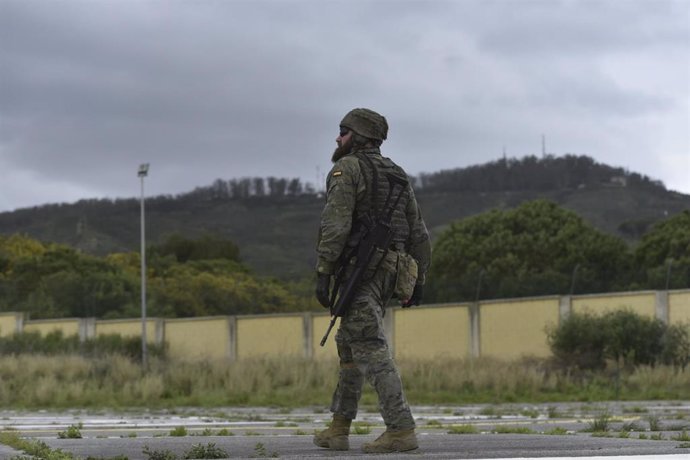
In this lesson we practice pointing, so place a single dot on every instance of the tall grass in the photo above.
(70, 380)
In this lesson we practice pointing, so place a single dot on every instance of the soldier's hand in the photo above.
(416, 298)
(323, 288)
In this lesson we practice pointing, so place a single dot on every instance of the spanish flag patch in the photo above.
(337, 173)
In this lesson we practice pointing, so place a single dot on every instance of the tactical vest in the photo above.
(374, 168)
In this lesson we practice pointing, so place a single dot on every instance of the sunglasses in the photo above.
(344, 132)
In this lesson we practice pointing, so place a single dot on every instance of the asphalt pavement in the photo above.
(654, 429)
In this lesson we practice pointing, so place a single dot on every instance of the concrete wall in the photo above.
(68, 326)
(10, 323)
(504, 329)
(132, 328)
(679, 307)
(427, 332)
(514, 328)
(264, 335)
(195, 338)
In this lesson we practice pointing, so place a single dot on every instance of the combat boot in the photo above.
(392, 441)
(335, 437)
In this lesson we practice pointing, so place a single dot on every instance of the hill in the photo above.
(275, 221)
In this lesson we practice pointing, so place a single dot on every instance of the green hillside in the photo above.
(275, 227)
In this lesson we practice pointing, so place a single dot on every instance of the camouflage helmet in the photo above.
(366, 123)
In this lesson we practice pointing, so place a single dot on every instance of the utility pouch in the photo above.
(406, 277)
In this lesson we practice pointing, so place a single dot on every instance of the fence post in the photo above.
(19, 322)
(159, 336)
(565, 307)
(475, 323)
(308, 331)
(661, 304)
(87, 328)
(232, 338)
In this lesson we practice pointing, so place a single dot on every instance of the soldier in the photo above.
(357, 189)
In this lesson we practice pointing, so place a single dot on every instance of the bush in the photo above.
(586, 341)
(55, 343)
(579, 341)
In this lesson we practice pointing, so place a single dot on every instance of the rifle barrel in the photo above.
(330, 326)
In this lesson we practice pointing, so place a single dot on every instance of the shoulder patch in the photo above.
(337, 173)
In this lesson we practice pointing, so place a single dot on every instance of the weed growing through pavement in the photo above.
(261, 452)
(208, 451)
(654, 423)
(197, 451)
(158, 454)
(463, 429)
(681, 437)
(507, 429)
(178, 431)
(558, 431)
(531, 413)
(225, 432)
(552, 412)
(632, 426)
(72, 432)
(361, 428)
(35, 449)
(600, 424)
(282, 424)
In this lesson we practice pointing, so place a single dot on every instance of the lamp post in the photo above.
(143, 171)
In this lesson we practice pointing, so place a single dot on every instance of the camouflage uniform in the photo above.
(361, 343)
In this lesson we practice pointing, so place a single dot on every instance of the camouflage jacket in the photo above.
(346, 190)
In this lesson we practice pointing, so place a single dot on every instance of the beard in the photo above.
(342, 150)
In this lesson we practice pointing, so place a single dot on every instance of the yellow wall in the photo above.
(192, 338)
(643, 303)
(679, 307)
(508, 329)
(431, 331)
(127, 328)
(8, 323)
(68, 327)
(270, 336)
(319, 327)
(516, 328)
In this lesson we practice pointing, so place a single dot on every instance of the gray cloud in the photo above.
(201, 90)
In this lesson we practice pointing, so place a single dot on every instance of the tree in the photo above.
(531, 250)
(663, 251)
(294, 187)
(207, 247)
(259, 186)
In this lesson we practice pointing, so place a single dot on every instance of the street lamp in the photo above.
(143, 172)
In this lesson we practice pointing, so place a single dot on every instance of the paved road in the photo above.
(505, 431)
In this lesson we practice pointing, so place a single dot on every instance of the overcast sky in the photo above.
(226, 89)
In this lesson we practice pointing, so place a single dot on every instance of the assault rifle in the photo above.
(379, 237)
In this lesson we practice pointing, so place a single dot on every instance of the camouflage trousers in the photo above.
(364, 353)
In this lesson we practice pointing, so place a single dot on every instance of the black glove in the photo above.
(416, 298)
(323, 288)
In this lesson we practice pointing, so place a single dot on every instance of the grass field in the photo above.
(39, 381)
